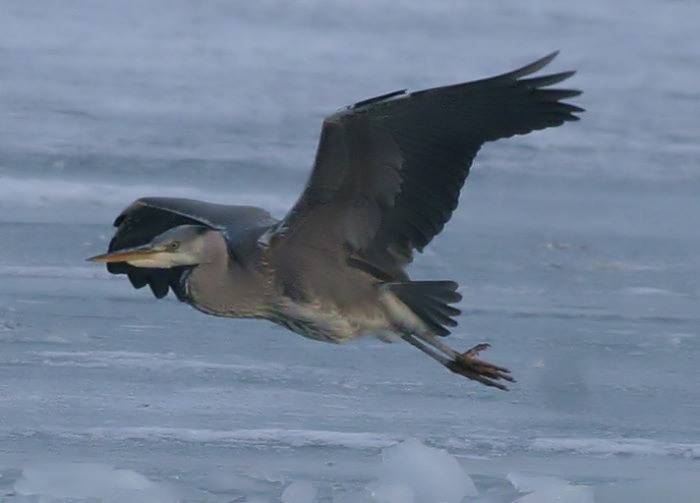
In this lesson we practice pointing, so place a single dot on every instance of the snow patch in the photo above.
(299, 492)
(530, 483)
(647, 290)
(621, 446)
(676, 488)
(547, 489)
(69, 272)
(164, 362)
(564, 494)
(38, 192)
(248, 437)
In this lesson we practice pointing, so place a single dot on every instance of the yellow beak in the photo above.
(126, 255)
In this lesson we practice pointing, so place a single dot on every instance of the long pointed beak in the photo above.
(126, 255)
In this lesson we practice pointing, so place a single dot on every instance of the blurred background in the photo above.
(576, 250)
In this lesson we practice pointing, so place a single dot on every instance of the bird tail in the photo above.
(430, 301)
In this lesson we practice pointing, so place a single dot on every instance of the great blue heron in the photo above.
(386, 179)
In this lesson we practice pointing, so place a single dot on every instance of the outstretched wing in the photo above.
(389, 170)
(148, 217)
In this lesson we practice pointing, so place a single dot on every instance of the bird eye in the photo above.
(173, 245)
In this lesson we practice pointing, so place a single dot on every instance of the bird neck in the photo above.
(225, 287)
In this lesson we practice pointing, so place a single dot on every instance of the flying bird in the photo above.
(385, 181)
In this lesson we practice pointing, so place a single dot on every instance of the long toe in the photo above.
(479, 370)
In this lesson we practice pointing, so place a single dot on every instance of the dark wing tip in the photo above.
(539, 87)
(548, 80)
(159, 286)
(540, 83)
(573, 109)
(532, 67)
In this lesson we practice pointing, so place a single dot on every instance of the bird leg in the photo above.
(426, 349)
(465, 364)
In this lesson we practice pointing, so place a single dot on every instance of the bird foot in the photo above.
(467, 365)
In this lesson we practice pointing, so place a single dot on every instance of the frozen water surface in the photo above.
(576, 249)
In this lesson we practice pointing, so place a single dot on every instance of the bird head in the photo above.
(182, 245)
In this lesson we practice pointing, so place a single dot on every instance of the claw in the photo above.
(471, 353)
(479, 370)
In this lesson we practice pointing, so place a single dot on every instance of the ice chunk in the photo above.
(392, 493)
(559, 494)
(299, 492)
(91, 480)
(423, 473)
